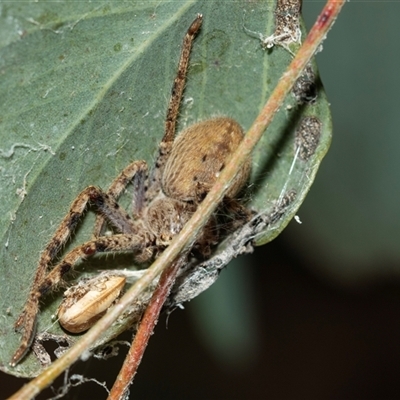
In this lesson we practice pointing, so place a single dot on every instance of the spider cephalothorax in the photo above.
(164, 200)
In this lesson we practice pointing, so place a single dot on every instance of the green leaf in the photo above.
(83, 92)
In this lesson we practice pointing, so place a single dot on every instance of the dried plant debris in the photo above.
(287, 15)
(110, 349)
(287, 22)
(305, 88)
(42, 353)
(287, 26)
(195, 278)
(307, 137)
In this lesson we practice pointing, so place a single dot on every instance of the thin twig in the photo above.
(206, 208)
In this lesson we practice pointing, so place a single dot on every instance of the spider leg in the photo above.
(103, 244)
(61, 235)
(122, 242)
(173, 109)
(115, 215)
(27, 319)
(136, 171)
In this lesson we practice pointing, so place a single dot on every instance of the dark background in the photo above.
(313, 315)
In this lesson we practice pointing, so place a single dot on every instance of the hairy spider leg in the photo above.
(173, 110)
(104, 244)
(136, 172)
(111, 210)
(145, 191)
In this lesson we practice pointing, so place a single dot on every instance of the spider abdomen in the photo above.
(198, 156)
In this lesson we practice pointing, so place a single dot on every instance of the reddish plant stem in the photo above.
(146, 327)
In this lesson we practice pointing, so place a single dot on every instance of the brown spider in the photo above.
(164, 200)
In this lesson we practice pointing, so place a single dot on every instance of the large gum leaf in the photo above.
(83, 91)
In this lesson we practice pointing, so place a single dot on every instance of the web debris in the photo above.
(9, 153)
(287, 26)
(74, 381)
